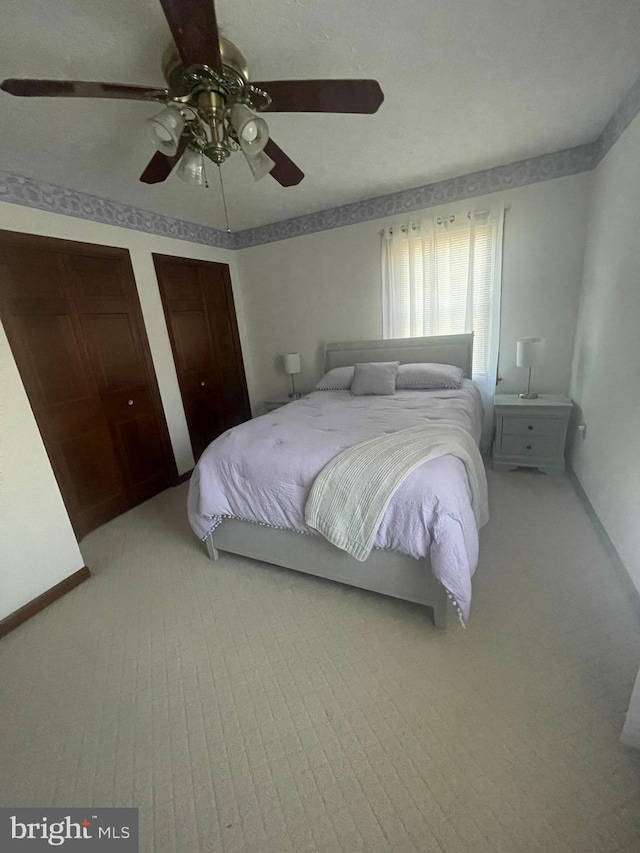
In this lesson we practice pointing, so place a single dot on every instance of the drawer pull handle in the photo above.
(129, 402)
(528, 447)
(529, 427)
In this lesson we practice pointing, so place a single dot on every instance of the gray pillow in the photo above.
(429, 376)
(338, 379)
(374, 377)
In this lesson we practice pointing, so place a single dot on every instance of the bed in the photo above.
(279, 536)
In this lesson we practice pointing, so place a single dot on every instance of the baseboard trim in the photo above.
(32, 607)
(182, 478)
(621, 570)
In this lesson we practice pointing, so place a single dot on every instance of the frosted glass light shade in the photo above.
(530, 352)
(191, 168)
(253, 133)
(291, 362)
(165, 129)
(259, 164)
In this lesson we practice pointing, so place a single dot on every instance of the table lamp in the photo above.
(292, 365)
(529, 353)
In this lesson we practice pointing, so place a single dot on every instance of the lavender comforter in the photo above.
(262, 471)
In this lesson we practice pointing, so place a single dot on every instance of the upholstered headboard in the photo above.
(439, 349)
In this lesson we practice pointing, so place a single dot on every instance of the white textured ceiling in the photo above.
(468, 85)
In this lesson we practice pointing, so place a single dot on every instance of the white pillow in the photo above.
(374, 377)
(338, 379)
(427, 376)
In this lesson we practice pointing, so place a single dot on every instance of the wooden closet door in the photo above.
(105, 297)
(201, 318)
(74, 324)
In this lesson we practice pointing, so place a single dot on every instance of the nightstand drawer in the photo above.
(543, 447)
(530, 433)
(530, 426)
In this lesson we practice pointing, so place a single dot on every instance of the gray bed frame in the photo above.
(386, 572)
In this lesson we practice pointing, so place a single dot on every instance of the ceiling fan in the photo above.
(211, 103)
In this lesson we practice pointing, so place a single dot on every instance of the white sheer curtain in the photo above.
(442, 276)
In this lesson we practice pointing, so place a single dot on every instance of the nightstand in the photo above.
(275, 402)
(530, 433)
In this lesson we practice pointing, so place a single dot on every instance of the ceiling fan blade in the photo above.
(286, 173)
(80, 89)
(323, 96)
(160, 166)
(194, 30)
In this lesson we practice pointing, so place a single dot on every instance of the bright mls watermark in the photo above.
(80, 830)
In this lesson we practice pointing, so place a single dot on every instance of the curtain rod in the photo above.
(441, 219)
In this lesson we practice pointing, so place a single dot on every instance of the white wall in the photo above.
(303, 292)
(37, 544)
(606, 367)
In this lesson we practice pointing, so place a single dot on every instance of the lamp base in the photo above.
(294, 395)
(528, 396)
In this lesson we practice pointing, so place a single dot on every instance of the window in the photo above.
(442, 277)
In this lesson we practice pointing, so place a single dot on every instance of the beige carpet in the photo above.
(248, 708)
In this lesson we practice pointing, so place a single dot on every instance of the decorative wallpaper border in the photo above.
(16, 189)
(627, 110)
(544, 168)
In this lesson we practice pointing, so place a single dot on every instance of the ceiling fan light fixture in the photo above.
(250, 132)
(253, 133)
(191, 168)
(165, 129)
(260, 164)
(210, 104)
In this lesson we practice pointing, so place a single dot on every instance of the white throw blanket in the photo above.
(350, 495)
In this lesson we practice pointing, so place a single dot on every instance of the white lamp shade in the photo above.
(259, 164)
(191, 168)
(166, 129)
(291, 362)
(530, 352)
(253, 133)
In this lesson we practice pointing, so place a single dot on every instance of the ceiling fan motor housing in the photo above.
(183, 81)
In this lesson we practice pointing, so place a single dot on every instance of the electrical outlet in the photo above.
(582, 430)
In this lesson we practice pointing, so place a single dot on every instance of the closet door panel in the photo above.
(198, 306)
(224, 329)
(112, 324)
(94, 476)
(112, 344)
(47, 341)
(75, 327)
(53, 357)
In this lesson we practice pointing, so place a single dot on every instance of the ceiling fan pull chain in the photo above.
(204, 172)
(224, 200)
